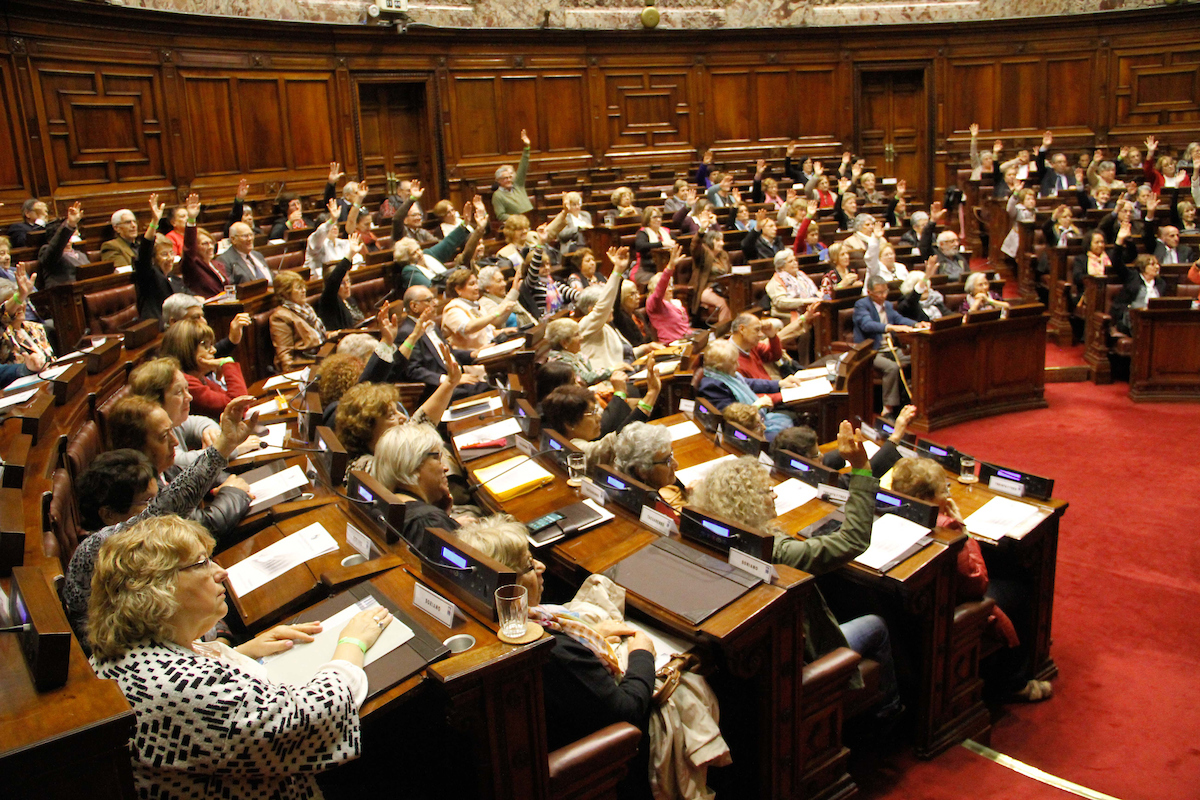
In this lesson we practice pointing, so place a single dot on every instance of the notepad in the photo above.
(287, 377)
(488, 433)
(682, 430)
(500, 349)
(17, 399)
(792, 494)
(892, 537)
(513, 477)
(272, 489)
(815, 387)
(470, 408)
(1001, 517)
(289, 552)
(276, 405)
(661, 367)
(692, 474)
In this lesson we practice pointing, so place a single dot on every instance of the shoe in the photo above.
(1035, 692)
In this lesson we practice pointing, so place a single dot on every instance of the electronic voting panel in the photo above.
(724, 534)
(377, 504)
(626, 492)
(474, 576)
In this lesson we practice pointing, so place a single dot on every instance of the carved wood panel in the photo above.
(648, 108)
(1157, 88)
(101, 124)
(11, 177)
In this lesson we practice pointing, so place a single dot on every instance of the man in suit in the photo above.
(873, 317)
(427, 362)
(122, 249)
(946, 259)
(242, 262)
(1059, 177)
(1164, 242)
(34, 214)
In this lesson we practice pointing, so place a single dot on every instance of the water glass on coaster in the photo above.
(966, 471)
(576, 465)
(512, 607)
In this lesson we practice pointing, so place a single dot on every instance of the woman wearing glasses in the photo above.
(644, 452)
(208, 722)
(411, 461)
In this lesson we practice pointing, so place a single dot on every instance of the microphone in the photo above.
(471, 487)
(412, 548)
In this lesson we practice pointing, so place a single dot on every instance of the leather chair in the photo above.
(61, 529)
(593, 766)
(101, 413)
(83, 446)
(110, 310)
(367, 293)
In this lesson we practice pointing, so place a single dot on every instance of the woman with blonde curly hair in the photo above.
(369, 410)
(622, 200)
(208, 721)
(742, 491)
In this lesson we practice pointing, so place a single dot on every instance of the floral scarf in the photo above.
(558, 618)
(306, 313)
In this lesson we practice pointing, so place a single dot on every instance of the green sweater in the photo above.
(822, 554)
(506, 202)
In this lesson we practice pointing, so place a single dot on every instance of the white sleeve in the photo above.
(353, 676)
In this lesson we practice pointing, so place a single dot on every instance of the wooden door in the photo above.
(893, 126)
(395, 134)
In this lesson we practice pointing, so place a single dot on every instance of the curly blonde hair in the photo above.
(358, 411)
(336, 375)
(745, 415)
(618, 193)
(500, 537)
(739, 490)
(922, 478)
(135, 582)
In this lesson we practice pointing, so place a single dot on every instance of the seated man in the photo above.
(946, 260)
(242, 262)
(34, 214)
(802, 440)
(426, 363)
(1164, 242)
(873, 317)
(122, 249)
(760, 346)
(1059, 177)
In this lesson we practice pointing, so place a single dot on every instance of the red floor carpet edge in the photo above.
(1125, 716)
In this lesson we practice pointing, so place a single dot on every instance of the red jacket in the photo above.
(751, 365)
(208, 398)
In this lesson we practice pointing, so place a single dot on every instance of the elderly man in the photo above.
(874, 317)
(760, 345)
(946, 259)
(862, 229)
(34, 214)
(242, 262)
(1059, 177)
(122, 249)
(510, 197)
(352, 193)
(426, 363)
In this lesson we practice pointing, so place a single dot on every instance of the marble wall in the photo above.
(625, 14)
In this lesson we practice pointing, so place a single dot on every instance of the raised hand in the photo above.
(901, 187)
(415, 190)
(235, 427)
(24, 282)
(388, 323)
(708, 156)
(1151, 146)
(1151, 205)
(818, 169)
(931, 265)
(846, 156)
(791, 149)
(525, 138)
(619, 256)
(737, 196)
(355, 243)
(1017, 186)
(1047, 139)
(334, 210)
(974, 129)
(998, 146)
(454, 373)
(1124, 232)
(243, 189)
(850, 446)
(1098, 156)
(74, 214)
(843, 185)
(1079, 176)
(193, 206)
(813, 207)
(424, 321)
(760, 167)
(653, 381)
(335, 172)
(156, 209)
(675, 251)
(790, 195)
(760, 218)
(936, 210)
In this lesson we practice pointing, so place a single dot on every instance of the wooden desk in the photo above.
(977, 370)
(1165, 365)
(1061, 260)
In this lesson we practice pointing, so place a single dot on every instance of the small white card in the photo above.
(358, 540)
(683, 430)
(658, 522)
(434, 604)
(741, 269)
(906, 452)
(524, 445)
(834, 494)
(766, 460)
(687, 406)
(593, 492)
(1014, 488)
(760, 569)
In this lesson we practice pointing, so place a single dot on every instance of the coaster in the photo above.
(533, 632)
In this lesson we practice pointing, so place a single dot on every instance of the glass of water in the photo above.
(966, 471)
(512, 608)
(576, 465)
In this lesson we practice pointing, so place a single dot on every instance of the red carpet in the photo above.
(1125, 716)
(1064, 356)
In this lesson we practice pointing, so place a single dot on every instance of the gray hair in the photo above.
(781, 258)
(946, 236)
(636, 446)
(7, 286)
(911, 281)
(177, 306)
(350, 189)
(499, 536)
(359, 345)
(919, 218)
(1104, 166)
(972, 279)
(569, 196)
(501, 169)
(116, 216)
(490, 275)
(723, 352)
(561, 331)
(860, 220)
(401, 451)
(874, 281)
(586, 300)
(741, 321)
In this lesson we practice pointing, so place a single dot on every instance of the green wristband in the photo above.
(359, 643)
(621, 395)
(644, 406)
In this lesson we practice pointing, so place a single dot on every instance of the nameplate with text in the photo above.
(1014, 488)
(524, 445)
(358, 540)
(658, 522)
(834, 494)
(434, 605)
(763, 570)
(593, 492)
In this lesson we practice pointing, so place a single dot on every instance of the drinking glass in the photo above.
(576, 463)
(966, 471)
(512, 606)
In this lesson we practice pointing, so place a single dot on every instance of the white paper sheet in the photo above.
(1002, 516)
(45, 375)
(269, 407)
(890, 537)
(665, 644)
(511, 346)
(871, 449)
(472, 407)
(488, 433)
(809, 374)
(661, 367)
(682, 430)
(269, 563)
(692, 474)
(286, 378)
(17, 399)
(297, 666)
(275, 434)
(816, 387)
(269, 488)
(792, 494)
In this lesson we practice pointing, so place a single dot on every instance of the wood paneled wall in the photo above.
(108, 103)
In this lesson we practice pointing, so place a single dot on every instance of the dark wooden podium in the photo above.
(1165, 364)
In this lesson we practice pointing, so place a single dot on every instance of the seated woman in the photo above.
(369, 410)
(628, 317)
(745, 415)
(582, 263)
(668, 316)
(464, 324)
(424, 267)
(155, 273)
(162, 381)
(139, 424)
(570, 236)
(924, 479)
(979, 297)
(325, 245)
(919, 300)
(601, 344)
(565, 340)
(516, 232)
(741, 490)
(622, 200)
(881, 259)
(644, 452)
(202, 273)
(335, 376)
(336, 306)
(808, 235)
(1094, 261)
(208, 722)
(121, 487)
(296, 330)
(763, 240)
(24, 348)
(791, 291)
(411, 461)
(710, 260)
(212, 382)
(721, 385)
(802, 440)
(841, 276)
(571, 410)
(650, 237)
(494, 288)
(447, 216)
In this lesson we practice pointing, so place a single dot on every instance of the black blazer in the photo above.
(152, 286)
(1132, 284)
(425, 365)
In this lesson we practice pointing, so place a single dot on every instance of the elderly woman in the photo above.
(722, 193)
(791, 291)
(566, 342)
(324, 245)
(808, 235)
(426, 266)
(668, 316)
(692, 219)
(447, 217)
(1094, 261)
(208, 722)
(369, 410)
(464, 323)
(601, 344)
(742, 221)
(336, 306)
(881, 260)
(570, 237)
(411, 221)
(140, 424)
(916, 226)
(721, 385)
(494, 288)
(919, 300)
(628, 319)
(763, 240)
(979, 297)
(121, 487)
(582, 266)
(212, 382)
(155, 276)
(622, 200)
(643, 451)
(840, 275)
(862, 228)
(296, 330)
(817, 188)
(746, 416)
(741, 490)
(516, 233)
(24, 348)
(572, 411)
(1022, 209)
(202, 273)
(650, 237)
(411, 461)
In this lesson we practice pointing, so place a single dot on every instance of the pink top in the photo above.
(669, 318)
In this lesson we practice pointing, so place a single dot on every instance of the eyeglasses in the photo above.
(668, 460)
(593, 412)
(201, 564)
